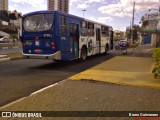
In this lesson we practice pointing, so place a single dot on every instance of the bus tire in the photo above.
(83, 54)
(106, 50)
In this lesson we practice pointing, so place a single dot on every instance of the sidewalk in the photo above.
(10, 56)
(78, 94)
(133, 71)
(125, 70)
(9, 52)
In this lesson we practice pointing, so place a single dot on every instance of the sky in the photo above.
(116, 13)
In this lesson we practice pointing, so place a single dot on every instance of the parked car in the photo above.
(121, 45)
(4, 40)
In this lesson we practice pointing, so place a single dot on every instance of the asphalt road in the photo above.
(20, 78)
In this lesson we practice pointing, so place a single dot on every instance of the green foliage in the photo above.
(4, 16)
(12, 16)
(156, 55)
(9, 29)
(13, 36)
(136, 28)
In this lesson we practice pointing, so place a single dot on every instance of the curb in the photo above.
(2, 56)
(10, 59)
(4, 48)
(5, 59)
(14, 47)
(17, 58)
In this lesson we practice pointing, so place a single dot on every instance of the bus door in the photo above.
(64, 40)
(74, 40)
(98, 40)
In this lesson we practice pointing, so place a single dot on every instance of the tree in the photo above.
(4, 16)
(14, 38)
(135, 28)
(12, 16)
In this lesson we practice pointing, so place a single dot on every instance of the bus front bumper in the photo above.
(55, 56)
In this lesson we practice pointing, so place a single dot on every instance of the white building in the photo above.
(151, 24)
(153, 20)
(61, 5)
(16, 19)
(4, 5)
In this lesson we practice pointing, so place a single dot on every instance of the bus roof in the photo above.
(65, 14)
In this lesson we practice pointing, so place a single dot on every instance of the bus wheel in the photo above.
(106, 50)
(83, 54)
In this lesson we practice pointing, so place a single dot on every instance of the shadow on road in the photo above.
(75, 65)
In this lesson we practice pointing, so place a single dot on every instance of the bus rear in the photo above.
(38, 37)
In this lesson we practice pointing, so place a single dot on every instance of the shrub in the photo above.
(156, 56)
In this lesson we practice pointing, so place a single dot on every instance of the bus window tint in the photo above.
(84, 28)
(105, 31)
(90, 29)
(37, 23)
(63, 26)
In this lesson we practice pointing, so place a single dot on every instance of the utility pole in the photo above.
(132, 23)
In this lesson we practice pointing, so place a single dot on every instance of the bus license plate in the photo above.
(37, 50)
(37, 43)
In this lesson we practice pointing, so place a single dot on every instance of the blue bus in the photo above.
(60, 36)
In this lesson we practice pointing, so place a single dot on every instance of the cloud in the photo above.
(125, 7)
(34, 3)
(91, 1)
(87, 2)
(73, 1)
(103, 20)
(115, 10)
(82, 6)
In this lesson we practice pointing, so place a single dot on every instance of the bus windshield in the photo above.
(38, 22)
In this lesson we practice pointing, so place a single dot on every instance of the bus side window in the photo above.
(84, 28)
(63, 26)
(104, 32)
(107, 31)
(90, 29)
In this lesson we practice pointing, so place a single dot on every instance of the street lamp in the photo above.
(83, 12)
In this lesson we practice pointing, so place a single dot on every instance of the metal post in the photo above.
(83, 12)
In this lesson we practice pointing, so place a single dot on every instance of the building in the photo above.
(60, 5)
(15, 18)
(4, 5)
(119, 35)
(151, 28)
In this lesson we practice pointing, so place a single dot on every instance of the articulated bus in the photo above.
(60, 36)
